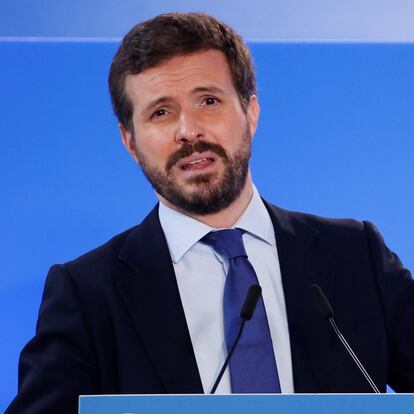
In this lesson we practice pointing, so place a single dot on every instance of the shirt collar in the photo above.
(183, 232)
(256, 220)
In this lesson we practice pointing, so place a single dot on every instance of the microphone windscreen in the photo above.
(250, 302)
(321, 302)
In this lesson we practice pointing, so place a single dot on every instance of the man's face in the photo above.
(190, 134)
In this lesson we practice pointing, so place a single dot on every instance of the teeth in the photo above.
(197, 161)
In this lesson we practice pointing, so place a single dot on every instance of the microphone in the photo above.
(325, 309)
(246, 313)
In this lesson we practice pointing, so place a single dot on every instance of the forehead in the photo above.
(181, 74)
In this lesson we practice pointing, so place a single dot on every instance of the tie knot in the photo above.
(227, 243)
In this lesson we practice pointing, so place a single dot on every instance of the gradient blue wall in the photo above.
(260, 19)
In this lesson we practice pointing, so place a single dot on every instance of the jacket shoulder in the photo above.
(340, 228)
(100, 259)
(108, 257)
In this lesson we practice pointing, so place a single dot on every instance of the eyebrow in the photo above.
(213, 89)
(154, 103)
(198, 89)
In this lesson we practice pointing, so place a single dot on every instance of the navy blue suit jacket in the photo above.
(112, 321)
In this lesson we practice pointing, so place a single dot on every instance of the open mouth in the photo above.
(197, 164)
(197, 161)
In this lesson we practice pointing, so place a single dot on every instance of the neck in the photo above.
(227, 217)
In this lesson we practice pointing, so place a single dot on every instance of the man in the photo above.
(144, 313)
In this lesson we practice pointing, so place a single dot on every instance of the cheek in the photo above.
(232, 132)
(155, 143)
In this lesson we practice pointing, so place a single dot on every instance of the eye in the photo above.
(159, 113)
(210, 100)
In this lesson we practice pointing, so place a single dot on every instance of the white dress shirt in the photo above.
(201, 275)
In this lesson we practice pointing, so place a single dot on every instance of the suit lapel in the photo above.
(302, 263)
(151, 295)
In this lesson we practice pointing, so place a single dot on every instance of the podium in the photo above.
(248, 404)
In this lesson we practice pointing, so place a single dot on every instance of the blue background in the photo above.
(335, 139)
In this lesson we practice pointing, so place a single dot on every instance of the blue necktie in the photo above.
(253, 366)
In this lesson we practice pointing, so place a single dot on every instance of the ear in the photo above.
(253, 111)
(129, 142)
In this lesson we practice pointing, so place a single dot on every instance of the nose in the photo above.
(189, 128)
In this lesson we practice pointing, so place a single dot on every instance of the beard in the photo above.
(212, 192)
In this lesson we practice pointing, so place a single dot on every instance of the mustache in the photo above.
(188, 149)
